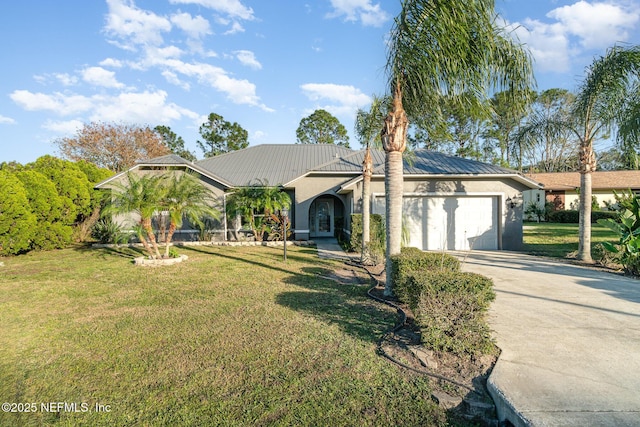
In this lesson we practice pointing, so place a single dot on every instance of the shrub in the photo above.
(377, 239)
(412, 261)
(107, 231)
(450, 310)
(17, 222)
(627, 227)
(573, 217)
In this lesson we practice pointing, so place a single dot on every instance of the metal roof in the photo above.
(272, 164)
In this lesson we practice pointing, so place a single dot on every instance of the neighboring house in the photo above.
(450, 203)
(563, 188)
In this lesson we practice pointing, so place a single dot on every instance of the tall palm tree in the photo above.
(439, 48)
(605, 99)
(186, 197)
(601, 104)
(367, 129)
(141, 195)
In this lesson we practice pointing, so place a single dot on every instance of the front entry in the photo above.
(322, 217)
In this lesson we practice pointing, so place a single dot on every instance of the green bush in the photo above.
(450, 309)
(626, 225)
(377, 236)
(573, 217)
(107, 231)
(17, 222)
(412, 261)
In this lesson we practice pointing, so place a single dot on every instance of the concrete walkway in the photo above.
(570, 340)
(329, 248)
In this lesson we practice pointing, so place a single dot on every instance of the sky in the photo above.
(263, 64)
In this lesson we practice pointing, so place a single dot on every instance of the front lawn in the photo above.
(561, 240)
(232, 336)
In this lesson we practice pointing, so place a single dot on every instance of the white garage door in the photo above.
(449, 223)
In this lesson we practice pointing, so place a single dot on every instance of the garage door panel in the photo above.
(449, 223)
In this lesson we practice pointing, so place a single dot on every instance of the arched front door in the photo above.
(322, 217)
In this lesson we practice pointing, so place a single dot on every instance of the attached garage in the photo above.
(449, 222)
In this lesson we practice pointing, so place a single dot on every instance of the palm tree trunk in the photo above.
(146, 224)
(584, 229)
(145, 244)
(367, 171)
(394, 142)
(172, 229)
(587, 165)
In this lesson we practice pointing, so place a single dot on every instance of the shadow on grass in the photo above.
(344, 305)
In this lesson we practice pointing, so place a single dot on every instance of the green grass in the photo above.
(233, 336)
(561, 240)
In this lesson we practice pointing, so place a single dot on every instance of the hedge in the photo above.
(450, 309)
(573, 217)
(414, 261)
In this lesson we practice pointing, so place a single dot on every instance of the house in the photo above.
(563, 188)
(449, 202)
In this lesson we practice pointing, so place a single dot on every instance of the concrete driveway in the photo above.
(570, 340)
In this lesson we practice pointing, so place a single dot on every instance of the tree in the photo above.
(549, 148)
(174, 142)
(113, 146)
(186, 197)
(506, 117)
(141, 195)
(220, 136)
(71, 183)
(17, 223)
(603, 101)
(322, 128)
(256, 203)
(367, 129)
(50, 230)
(439, 49)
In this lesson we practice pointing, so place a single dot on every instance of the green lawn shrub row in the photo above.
(573, 217)
(449, 305)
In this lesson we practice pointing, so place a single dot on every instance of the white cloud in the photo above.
(173, 78)
(134, 26)
(66, 79)
(343, 99)
(148, 107)
(64, 127)
(598, 25)
(57, 102)
(237, 91)
(574, 30)
(111, 62)
(6, 120)
(194, 27)
(233, 8)
(246, 57)
(101, 77)
(235, 28)
(360, 10)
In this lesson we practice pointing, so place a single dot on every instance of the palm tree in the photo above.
(186, 197)
(601, 104)
(605, 99)
(141, 195)
(255, 203)
(367, 129)
(438, 49)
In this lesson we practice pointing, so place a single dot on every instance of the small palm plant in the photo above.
(141, 195)
(186, 197)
